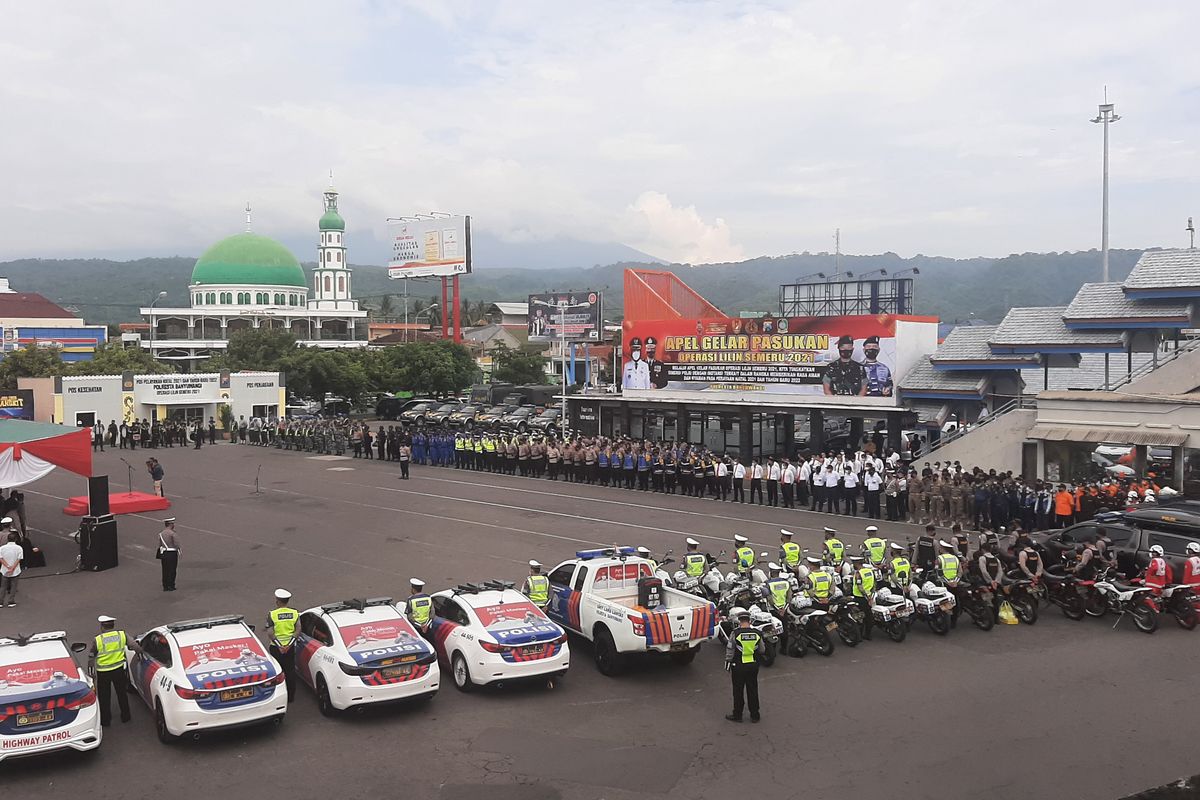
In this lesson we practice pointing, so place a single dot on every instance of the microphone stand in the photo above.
(130, 466)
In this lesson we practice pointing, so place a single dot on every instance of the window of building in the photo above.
(279, 299)
(244, 298)
(341, 283)
(211, 298)
(339, 256)
(197, 299)
(328, 284)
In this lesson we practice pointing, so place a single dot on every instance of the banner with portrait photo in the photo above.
(848, 357)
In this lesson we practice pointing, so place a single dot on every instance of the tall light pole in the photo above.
(563, 306)
(154, 302)
(1106, 116)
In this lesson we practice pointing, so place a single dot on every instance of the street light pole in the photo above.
(1106, 116)
(154, 302)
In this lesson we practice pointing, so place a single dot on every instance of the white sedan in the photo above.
(492, 634)
(204, 675)
(46, 702)
(363, 651)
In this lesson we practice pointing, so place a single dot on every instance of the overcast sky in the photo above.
(692, 131)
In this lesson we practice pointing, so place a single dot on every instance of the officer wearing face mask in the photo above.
(879, 377)
(636, 374)
(845, 376)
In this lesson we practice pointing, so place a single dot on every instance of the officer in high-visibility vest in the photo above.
(419, 606)
(694, 562)
(835, 551)
(899, 568)
(537, 586)
(281, 622)
(108, 666)
(745, 647)
(948, 565)
(789, 551)
(778, 589)
(744, 554)
(863, 590)
(820, 582)
(875, 547)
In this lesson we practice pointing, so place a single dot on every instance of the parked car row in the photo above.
(508, 417)
(204, 675)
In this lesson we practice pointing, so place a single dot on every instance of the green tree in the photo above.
(113, 359)
(31, 361)
(314, 373)
(256, 349)
(517, 366)
(436, 368)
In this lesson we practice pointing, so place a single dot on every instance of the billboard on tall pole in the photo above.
(573, 316)
(429, 246)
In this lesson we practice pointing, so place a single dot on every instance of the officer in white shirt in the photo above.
(872, 482)
(636, 374)
(773, 473)
(739, 482)
(831, 479)
(803, 473)
(756, 476)
(723, 478)
(850, 492)
(787, 478)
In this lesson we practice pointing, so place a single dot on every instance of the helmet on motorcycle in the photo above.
(899, 548)
(816, 562)
(1157, 551)
(884, 592)
(803, 572)
(1193, 548)
(774, 567)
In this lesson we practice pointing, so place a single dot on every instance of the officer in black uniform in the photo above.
(658, 370)
(845, 376)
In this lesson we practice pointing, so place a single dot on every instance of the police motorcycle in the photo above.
(849, 615)
(807, 627)
(1121, 599)
(706, 585)
(740, 595)
(892, 612)
(1178, 600)
(1062, 590)
(757, 574)
(934, 603)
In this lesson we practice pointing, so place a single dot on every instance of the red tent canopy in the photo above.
(31, 450)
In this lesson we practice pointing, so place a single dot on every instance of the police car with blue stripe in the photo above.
(46, 701)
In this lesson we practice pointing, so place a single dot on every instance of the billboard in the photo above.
(16, 404)
(847, 357)
(429, 247)
(580, 315)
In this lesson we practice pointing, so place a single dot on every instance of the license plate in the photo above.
(533, 650)
(35, 718)
(396, 672)
(236, 694)
(831, 626)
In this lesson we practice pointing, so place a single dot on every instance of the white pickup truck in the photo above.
(596, 595)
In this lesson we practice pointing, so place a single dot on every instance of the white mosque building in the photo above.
(249, 281)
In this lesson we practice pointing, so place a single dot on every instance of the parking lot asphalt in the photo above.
(1059, 709)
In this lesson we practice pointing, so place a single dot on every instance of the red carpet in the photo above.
(123, 503)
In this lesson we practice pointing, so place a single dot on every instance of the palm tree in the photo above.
(386, 309)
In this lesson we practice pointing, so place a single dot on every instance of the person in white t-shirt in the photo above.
(831, 479)
(872, 482)
(739, 482)
(772, 476)
(11, 554)
(722, 478)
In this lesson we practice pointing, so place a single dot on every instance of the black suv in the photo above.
(1133, 533)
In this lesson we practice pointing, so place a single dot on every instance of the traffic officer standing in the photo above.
(745, 647)
(694, 562)
(537, 586)
(778, 590)
(419, 606)
(834, 549)
(281, 621)
(875, 547)
(744, 554)
(863, 592)
(168, 553)
(108, 666)
(789, 551)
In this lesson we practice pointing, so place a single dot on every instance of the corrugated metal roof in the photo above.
(924, 378)
(1165, 269)
(1089, 374)
(1043, 325)
(1091, 433)
(512, 309)
(1099, 301)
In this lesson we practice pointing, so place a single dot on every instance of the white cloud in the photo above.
(142, 127)
(680, 234)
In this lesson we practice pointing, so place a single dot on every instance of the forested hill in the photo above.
(985, 288)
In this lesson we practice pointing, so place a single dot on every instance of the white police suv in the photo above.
(46, 701)
(206, 674)
(358, 652)
(492, 634)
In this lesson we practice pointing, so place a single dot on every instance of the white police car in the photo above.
(363, 651)
(206, 674)
(46, 702)
(492, 634)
